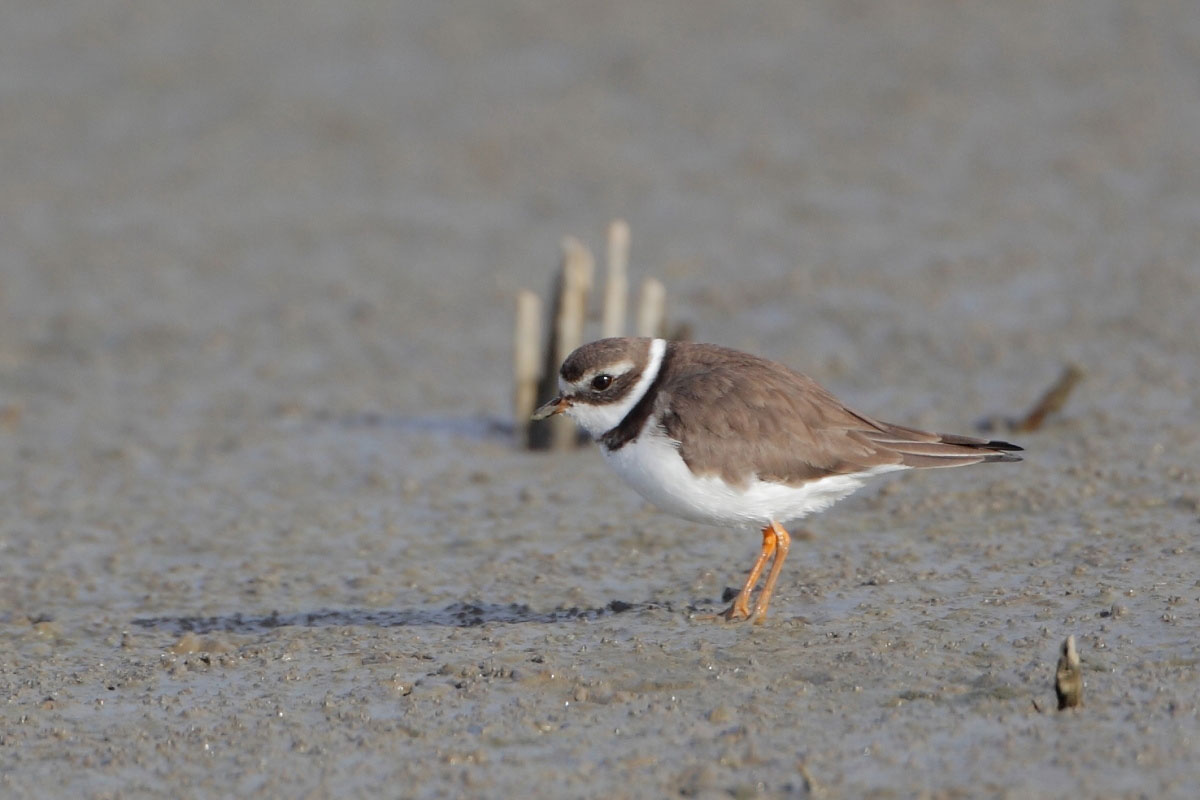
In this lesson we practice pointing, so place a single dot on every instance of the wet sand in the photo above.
(265, 533)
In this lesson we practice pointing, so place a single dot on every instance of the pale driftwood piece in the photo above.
(616, 284)
(651, 308)
(527, 367)
(578, 269)
(540, 433)
(567, 314)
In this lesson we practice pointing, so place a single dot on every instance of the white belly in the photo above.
(651, 464)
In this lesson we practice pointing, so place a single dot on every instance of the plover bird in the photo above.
(723, 437)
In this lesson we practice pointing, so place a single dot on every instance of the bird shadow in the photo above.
(455, 615)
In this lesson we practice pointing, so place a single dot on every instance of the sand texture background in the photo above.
(264, 533)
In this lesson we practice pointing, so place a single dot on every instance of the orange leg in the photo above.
(741, 604)
(784, 541)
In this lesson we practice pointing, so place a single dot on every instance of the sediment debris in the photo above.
(1068, 678)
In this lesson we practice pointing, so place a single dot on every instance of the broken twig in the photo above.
(1051, 402)
(1068, 678)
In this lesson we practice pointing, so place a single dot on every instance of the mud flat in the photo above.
(265, 534)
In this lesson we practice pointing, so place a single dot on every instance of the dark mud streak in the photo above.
(457, 615)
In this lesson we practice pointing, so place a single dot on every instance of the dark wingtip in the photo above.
(1005, 449)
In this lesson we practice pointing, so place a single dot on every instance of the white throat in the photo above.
(599, 419)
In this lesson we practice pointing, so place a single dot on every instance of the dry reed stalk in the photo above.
(571, 286)
(527, 367)
(652, 308)
(616, 285)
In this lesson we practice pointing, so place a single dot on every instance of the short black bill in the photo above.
(555, 406)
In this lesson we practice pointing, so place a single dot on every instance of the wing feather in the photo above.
(739, 416)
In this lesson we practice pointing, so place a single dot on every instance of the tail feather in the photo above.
(923, 450)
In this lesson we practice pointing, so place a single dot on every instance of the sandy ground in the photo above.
(264, 533)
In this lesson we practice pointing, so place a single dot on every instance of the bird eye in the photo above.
(601, 382)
